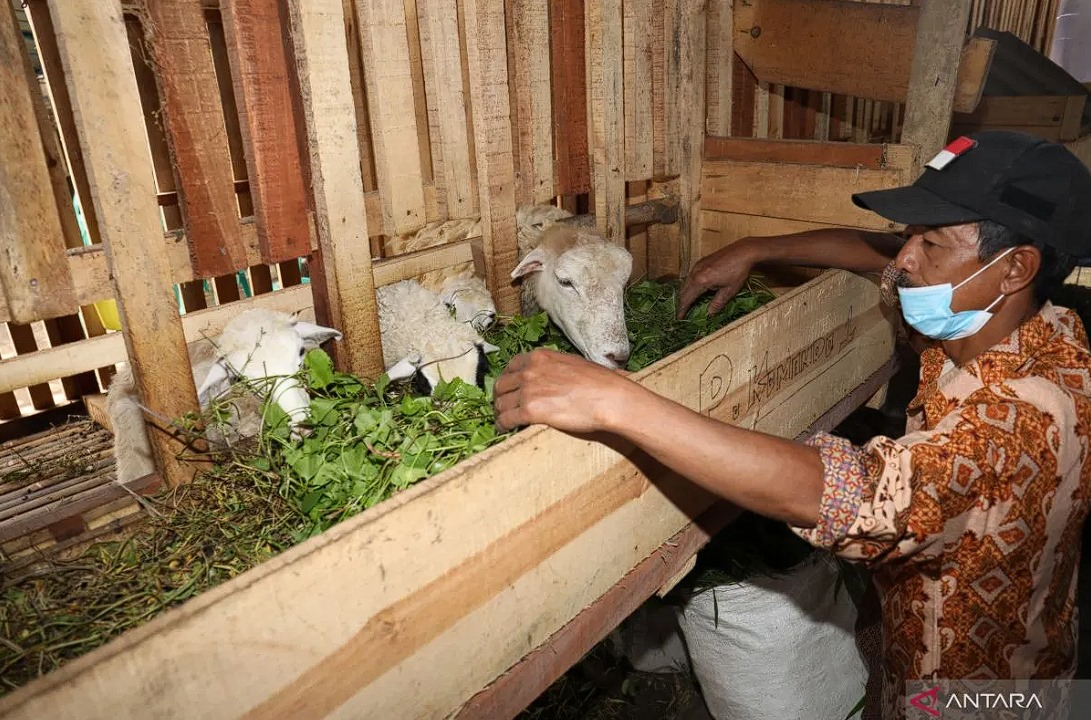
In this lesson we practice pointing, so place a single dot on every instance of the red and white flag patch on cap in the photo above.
(949, 153)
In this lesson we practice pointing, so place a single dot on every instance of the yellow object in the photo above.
(107, 313)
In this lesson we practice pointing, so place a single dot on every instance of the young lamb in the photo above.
(470, 300)
(422, 341)
(578, 278)
(263, 346)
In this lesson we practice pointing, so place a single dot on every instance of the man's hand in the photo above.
(724, 270)
(560, 390)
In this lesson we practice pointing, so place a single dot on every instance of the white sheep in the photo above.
(264, 346)
(578, 278)
(421, 339)
(469, 299)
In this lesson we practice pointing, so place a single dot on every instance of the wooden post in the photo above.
(345, 290)
(34, 273)
(721, 60)
(94, 51)
(492, 132)
(941, 28)
(532, 92)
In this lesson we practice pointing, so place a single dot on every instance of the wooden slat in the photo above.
(222, 63)
(392, 111)
(356, 74)
(440, 49)
(800, 192)
(1024, 110)
(874, 157)
(568, 60)
(719, 229)
(930, 99)
(342, 282)
(721, 56)
(532, 98)
(605, 62)
(197, 134)
(99, 71)
(42, 23)
(672, 100)
(22, 337)
(691, 66)
(35, 278)
(420, 105)
(492, 131)
(639, 150)
(260, 70)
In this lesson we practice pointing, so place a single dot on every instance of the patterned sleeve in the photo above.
(895, 498)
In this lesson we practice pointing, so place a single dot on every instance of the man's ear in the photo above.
(1026, 263)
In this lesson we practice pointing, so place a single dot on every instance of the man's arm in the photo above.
(769, 475)
(727, 269)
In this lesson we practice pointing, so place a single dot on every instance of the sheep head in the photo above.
(443, 362)
(470, 301)
(266, 348)
(579, 278)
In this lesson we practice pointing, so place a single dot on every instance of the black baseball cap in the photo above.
(1034, 187)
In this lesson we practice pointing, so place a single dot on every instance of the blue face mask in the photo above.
(928, 309)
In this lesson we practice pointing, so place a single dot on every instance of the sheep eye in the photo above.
(564, 282)
(302, 352)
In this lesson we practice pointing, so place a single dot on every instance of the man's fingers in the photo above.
(722, 298)
(691, 290)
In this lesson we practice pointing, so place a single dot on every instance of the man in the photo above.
(971, 521)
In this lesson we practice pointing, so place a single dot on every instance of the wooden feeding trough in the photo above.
(359, 123)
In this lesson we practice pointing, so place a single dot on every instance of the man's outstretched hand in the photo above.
(560, 390)
(725, 271)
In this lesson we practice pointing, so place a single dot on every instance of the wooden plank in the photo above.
(486, 41)
(509, 694)
(787, 42)
(719, 229)
(35, 278)
(931, 93)
(420, 104)
(99, 71)
(606, 98)
(383, 582)
(672, 99)
(356, 74)
(441, 51)
(1025, 110)
(388, 77)
(743, 100)
(45, 37)
(260, 68)
(721, 56)
(1072, 119)
(197, 133)
(22, 338)
(836, 154)
(568, 61)
(799, 192)
(342, 280)
(222, 63)
(97, 411)
(973, 70)
(638, 89)
(532, 96)
(691, 65)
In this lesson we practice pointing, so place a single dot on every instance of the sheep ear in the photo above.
(215, 383)
(314, 335)
(404, 368)
(488, 347)
(532, 263)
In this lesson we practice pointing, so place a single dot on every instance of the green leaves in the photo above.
(368, 441)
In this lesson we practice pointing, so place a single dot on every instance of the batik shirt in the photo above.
(971, 522)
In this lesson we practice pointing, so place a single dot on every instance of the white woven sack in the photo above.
(775, 648)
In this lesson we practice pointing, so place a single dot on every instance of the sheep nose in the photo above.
(618, 357)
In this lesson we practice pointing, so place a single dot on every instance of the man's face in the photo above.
(948, 254)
